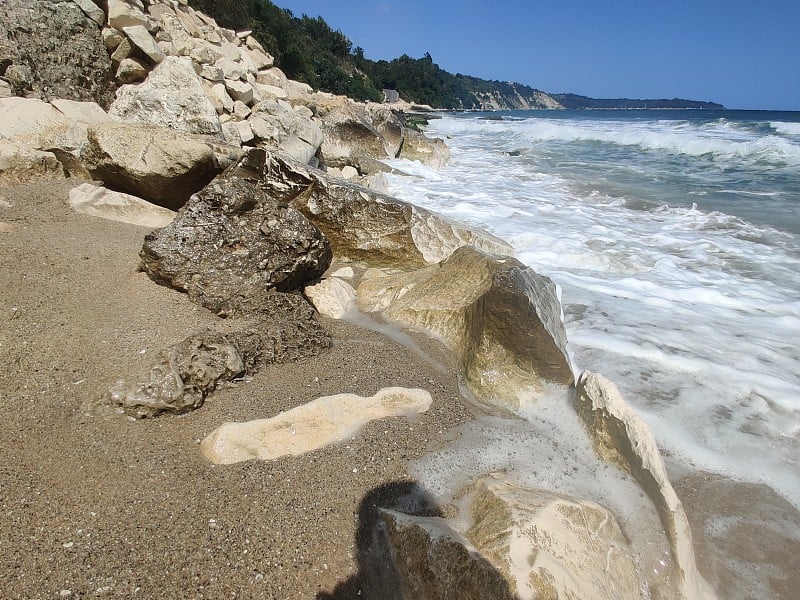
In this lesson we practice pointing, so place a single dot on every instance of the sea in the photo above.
(674, 237)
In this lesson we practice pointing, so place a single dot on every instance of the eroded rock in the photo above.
(476, 302)
(621, 437)
(332, 297)
(162, 166)
(232, 242)
(185, 374)
(319, 423)
(416, 146)
(551, 546)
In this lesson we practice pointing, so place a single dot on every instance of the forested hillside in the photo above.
(308, 50)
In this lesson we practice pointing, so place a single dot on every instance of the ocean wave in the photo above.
(785, 127)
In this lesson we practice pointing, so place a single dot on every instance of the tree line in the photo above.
(307, 49)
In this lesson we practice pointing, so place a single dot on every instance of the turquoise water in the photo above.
(675, 239)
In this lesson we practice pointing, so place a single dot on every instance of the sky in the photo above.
(742, 54)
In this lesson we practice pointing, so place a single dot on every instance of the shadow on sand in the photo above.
(384, 573)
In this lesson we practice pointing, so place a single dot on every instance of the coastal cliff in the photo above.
(226, 348)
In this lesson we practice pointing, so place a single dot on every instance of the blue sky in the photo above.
(743, 54)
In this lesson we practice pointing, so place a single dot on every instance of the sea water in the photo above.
(675, 239)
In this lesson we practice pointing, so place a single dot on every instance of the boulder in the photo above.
(95, 201)
(277, 126)
(621, 437)
(141, 38)
(366, 226)
(547, 545)
(171, 96)
(160, 165)
(322, 422)
(475, 302)
(122, 14)
(331, 297)
(349, 134)
(239, 90)
(53, 50)
(131, 70)
(20, 164)
(92, 10)
(219, 98)
(432, 152)
(388, 124)
(232, 241)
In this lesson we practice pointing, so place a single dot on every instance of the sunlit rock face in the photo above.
(476, 302)
(319, 423)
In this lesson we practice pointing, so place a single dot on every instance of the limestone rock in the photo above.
(550, 546)
(160, 165)
(475, 302)
(131, 70)
(171, 96)
(91, 10)
(331, 297)
(387, 123)
(432, 152)
(256, 243)
(366, 226)
(20, 163)
(95, 201)
(112, 38)
(623, 438)
(276, 125)
(319, 423)
(348, 134)
(141, 38)
(240, 90)
(121, 14)
(5, 89)
(220, 99)
(429, 559)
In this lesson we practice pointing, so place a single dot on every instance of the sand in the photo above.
(96, 505)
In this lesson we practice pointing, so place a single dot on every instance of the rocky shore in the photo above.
(225, 351)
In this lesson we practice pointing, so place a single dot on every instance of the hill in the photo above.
(575, 101)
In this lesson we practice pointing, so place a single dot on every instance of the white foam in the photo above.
(695, 315)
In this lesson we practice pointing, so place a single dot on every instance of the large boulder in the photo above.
(311, 426)
(416, 146)
(364, 225)
(160, 165)
(621, 437)
(20, 164)
(51, 49)
(278, 126)
(171, 96)
(232, 242)
(349, 134)
(548, 545)
(520, 543)
(475, 302)
(62, 124)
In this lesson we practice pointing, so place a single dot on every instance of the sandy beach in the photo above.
(95, 504)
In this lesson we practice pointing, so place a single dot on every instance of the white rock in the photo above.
(5, 89)
(171, 96)
(231, 69)
(349, 172)
(331, 297)
(131, 70)
(241, 110)
(245, 133)
(100, 202)
(261, 59)
(121, 14)
(142, 39)
(319, 423)
(212, 73)
(220, 99)
(344, 273)
(91, 10)
(239, 90)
